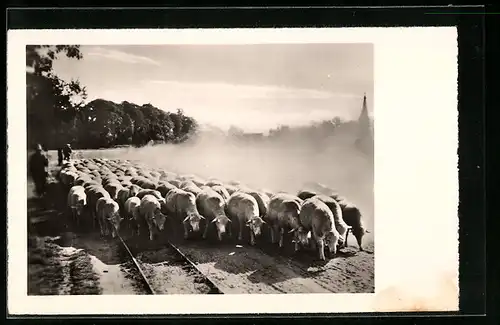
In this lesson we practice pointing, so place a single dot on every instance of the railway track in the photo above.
(214, 289)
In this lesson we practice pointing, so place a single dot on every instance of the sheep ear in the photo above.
(291, 231)
(229, 220)
(213, 221)
(185, 219)
(202, 217)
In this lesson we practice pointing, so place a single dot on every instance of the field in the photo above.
(66, 260)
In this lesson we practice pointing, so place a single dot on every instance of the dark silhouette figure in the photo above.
(38, 168)
(67, 152)
(59, 156)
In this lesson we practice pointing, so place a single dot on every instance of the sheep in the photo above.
(245, 209)
(150, 209)
(283, 215)
(211, 206)
(94, 193)
(191, 188)
(198, 182)
(340, 225)
(132, 211)
(108, 213)
(353, 218)
(182, 205)
(77, 200)
(315, 216)
(175, 182)
(231, 189)
(164, 187)
(112, 188)
(262, 200)
(214, 182)
(306, 194)
(222, 192)
(146, 184)
(268, 192)
(145, 192)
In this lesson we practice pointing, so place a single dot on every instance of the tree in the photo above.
(51, 101)
(57, 112)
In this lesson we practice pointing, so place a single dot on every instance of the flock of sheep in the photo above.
(112, 192)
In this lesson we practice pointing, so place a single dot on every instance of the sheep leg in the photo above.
(346, 236)
(252, 238)
(150, 227)
(93, 216)
(138, 226)
(106, 228)
(282, 233)
(297, 247)
(321, 249)
(101, 225)
(313, 242)
(186, 229)
(271, 230)
(205, 233)
(240, 231)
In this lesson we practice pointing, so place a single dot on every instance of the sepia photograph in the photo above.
(265, 150)
(187, 169)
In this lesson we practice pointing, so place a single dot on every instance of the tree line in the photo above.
(57, 112)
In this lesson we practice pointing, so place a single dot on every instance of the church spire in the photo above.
(363, 120)
(365, 138)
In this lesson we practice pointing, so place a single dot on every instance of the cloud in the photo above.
(120, 56)
(238, 91)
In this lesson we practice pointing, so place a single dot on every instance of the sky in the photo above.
(254, 86)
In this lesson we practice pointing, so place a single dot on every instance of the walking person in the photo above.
(38, 168)
(59, 156)
(67, 152)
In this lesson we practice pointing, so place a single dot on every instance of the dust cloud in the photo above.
(270, 164)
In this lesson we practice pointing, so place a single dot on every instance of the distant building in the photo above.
(365, 131)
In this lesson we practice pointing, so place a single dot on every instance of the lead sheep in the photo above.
(244, 208)
(132, 212)
(262, 201)
(283, 215)
(108, 214)
(353, 218)
(77, 200)
(150, 210)
(182, 205)
(316, 217)
(94, 193)
(211, 205)
(340, 224)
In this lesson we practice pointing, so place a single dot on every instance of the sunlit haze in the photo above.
(255, 87)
